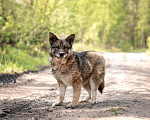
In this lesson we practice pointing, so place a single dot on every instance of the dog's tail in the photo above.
(101, 87)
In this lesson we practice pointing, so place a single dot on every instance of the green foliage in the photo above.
(116, 24)
(83, 47)
(18, 60)
(148, 44)
(114, 110)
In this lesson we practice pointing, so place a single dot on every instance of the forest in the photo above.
(103, 24)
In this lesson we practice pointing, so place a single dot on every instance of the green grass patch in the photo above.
(148, 44)
(19, 60)
(148, 52)
(84, 47)
(135, 50)
(114, 110)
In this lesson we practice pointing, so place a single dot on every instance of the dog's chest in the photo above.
(63, 74)
(66, 79)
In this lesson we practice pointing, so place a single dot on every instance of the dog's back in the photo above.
(92, 66)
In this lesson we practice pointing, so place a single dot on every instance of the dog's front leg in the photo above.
(76, 94)
(62, 91)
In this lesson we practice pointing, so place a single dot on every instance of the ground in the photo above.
(126, 95)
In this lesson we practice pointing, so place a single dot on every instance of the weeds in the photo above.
(83, 47)
(19, 60)
(114, 110)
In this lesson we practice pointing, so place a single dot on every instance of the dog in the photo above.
(75, 69)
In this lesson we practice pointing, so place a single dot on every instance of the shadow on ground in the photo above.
(41, 108)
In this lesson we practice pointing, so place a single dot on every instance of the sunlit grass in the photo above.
(84, 47)
(135, 50)
(18, 60)
(148, 52)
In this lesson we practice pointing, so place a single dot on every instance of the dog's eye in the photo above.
(56, 48)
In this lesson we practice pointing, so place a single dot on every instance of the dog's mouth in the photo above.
(61, 55)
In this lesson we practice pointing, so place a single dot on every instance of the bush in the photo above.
(19, 60)
(148, 44)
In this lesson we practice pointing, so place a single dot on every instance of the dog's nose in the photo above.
(61, 54)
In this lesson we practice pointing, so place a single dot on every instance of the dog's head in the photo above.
(61, 48)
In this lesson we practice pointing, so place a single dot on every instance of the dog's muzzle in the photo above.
(61, 54)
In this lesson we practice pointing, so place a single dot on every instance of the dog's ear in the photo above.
(70, 39)
(52, 38)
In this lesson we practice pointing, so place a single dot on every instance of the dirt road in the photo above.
(126, 94)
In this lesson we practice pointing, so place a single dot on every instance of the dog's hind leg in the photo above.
(96, 82)
(93, 90)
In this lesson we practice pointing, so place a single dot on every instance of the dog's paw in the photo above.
(93, 102)
(85, 99)
(56, 104)
(70, 106)
(81, 101)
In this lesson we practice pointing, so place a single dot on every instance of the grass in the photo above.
(135, 50)
(19, 60)
(83, 47)
(114, 110)
(148, 52)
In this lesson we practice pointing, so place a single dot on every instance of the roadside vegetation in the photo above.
(18, 60)
(99, 25)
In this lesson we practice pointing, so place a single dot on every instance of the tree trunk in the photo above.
(132, 35)
(32, 2)
(141, 42)
(145, 40)
(45, 9)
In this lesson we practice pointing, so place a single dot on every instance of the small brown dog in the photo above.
(75, 69)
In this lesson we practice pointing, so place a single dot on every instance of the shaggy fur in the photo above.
(75, 69)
